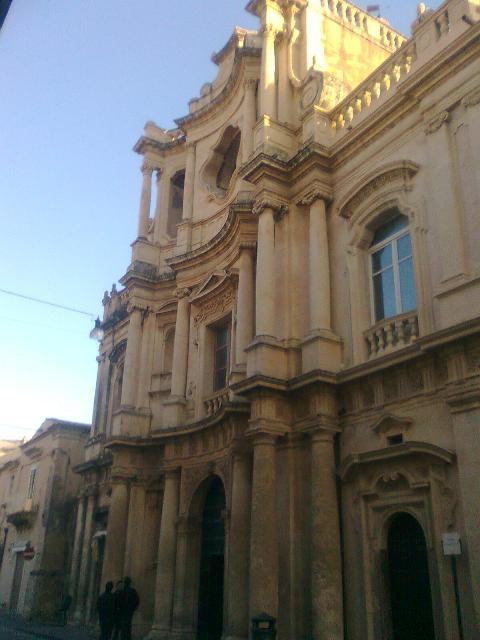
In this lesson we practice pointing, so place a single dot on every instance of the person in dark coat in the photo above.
(129, 602)
(117, 623)
(106, 612)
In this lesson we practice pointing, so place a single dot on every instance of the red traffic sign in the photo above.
(29, 553)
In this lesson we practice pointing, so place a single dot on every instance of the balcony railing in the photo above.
(392, 334)
(216, 401)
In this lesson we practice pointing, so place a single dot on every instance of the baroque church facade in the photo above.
(287, 412)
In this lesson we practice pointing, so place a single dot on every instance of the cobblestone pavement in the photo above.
(16, 628)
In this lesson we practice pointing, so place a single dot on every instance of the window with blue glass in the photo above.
(393, 278)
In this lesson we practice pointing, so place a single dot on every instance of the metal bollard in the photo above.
(264, 627)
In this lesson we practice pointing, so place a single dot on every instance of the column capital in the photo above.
(247, 246)
(172, 474)
(263, 436)
(251, 84)
(180, 294)
(321, 434)
(312, 196)
(147, 168)
(279, 209)
(270, 31)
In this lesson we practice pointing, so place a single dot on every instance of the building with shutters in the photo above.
(287, 407)
(38, 491)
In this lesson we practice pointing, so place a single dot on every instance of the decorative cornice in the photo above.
(228, 227)
(408, 449)
(240, 53)
(399, 171)
(437, 122)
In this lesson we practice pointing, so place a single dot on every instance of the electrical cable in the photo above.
(51, 304)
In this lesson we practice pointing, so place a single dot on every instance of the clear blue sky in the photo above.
(78, 80)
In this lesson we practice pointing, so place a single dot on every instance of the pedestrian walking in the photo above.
(64, 607)
(129, 602)
(117, 622)
(106, 612)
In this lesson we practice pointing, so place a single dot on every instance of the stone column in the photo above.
(167, 549)
(265, 282)
(145, 200)
(99, 401)
(327, 598)
(180, 345)
(464, 403)
(445, 199)
(146, 360)
(133, 564)
(130, 380)
(77, 547)
(263, 538)
(239, 551)
(249, 118)
(85, 561)
(116, 527)
(267, 74)
(244, 331)
(189, 189)
(319, 266)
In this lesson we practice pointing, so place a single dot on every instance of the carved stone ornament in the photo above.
(471, 99)
(400, 172)
(215, 306)
(279, 209)
(310, 198)
(436, 123)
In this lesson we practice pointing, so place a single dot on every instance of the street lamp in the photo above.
(97, 333)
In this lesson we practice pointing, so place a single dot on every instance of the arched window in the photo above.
(175, 204)
(219, 170)
(168, 350)
(229, 164)
(117, 388)
(392, 272)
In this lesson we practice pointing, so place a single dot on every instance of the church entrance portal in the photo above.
(210, 598)
(410, 594)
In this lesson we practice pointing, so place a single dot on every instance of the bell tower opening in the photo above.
(410, 592)
(210, 594)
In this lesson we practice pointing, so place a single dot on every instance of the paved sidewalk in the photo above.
(16, 623)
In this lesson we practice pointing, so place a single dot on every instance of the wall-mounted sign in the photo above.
(451, 544)
(29, 553)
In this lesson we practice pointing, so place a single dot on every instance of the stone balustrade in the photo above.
(375, 89)
(363, 21)
(392, 334)
(216, 401)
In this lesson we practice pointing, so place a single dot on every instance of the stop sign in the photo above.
(29, 553)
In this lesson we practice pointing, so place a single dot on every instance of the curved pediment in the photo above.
(389, 422)
(402, 451)
(397, 175)
(212, 286)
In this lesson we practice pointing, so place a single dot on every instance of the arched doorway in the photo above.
(409, 580)
(210, 593)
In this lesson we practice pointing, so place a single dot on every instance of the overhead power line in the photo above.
(47, 302)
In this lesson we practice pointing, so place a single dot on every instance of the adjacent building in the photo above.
(287, 413)
(38, 490)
